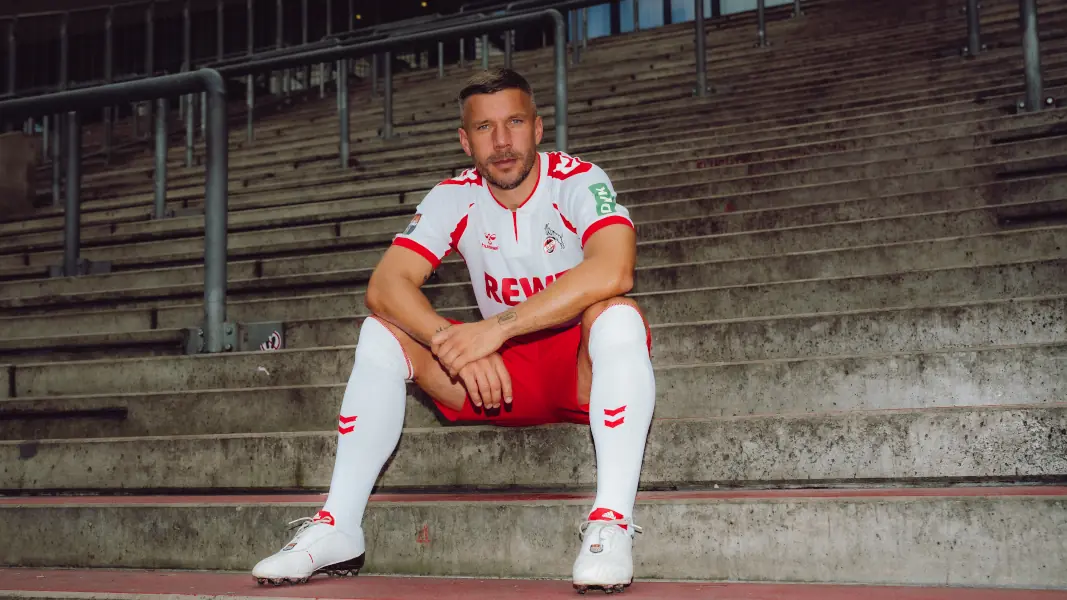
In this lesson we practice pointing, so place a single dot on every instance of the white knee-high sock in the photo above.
(369, 426)
(622, 400)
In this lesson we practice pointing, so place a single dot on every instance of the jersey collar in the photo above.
(538, 170)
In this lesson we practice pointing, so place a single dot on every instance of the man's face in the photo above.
(501, 132)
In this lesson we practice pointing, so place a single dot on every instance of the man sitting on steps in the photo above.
(550, 253)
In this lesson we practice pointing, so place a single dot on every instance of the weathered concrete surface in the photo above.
(919, 539)
(1009, 322)
(1008, 375)
(964, 443)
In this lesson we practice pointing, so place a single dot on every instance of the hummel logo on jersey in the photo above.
(553, 240)
(605, 200)
(490, 242)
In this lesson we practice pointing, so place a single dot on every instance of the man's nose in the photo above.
(501, 137)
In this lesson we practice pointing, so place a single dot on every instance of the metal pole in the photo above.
(215, 223)
(440, 60)
(64, 51)
(150, 50)
(304, 40)
(351, 15)
(637, 16)
(342, 111)
(387, 127)
(190, 128)
(12, 45)
(161, 158)
(187, 63)
(326, 74)
(585, 28)
(575, 42)
(761, 17)
(485, 51)
(72, 216)
(561, 85)
(57, 158)
(462, 53)
(974, 29)
(374, 74)
(45, 137)
(507, 49)
(109, 72)
(796, 9)
(1032, 56)
(220, 30)
(250, 93)
(701, 50)
(279, 41)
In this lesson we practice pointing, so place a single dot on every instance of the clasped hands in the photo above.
(468, 352)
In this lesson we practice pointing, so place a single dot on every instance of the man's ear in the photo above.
(464, 141)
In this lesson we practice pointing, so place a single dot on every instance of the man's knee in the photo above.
(380, 344)
(620, 320)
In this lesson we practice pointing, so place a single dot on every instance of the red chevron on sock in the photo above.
(346, 420)
(344, 430)
(615, 423)
(613, 412)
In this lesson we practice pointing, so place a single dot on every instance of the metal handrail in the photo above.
(258, 65)
(215, 191)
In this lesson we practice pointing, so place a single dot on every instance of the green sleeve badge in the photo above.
(605, 200)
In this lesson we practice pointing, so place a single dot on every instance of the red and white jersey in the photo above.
(512, 255)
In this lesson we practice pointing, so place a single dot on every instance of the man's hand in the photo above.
(460, 345)
(487, 381)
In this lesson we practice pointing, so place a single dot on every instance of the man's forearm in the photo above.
(403, 304)
(567, 297)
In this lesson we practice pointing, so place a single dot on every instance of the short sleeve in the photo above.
(590, 203)
(430, 232)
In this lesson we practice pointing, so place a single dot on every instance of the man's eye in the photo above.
(483, 127)
(517, 121)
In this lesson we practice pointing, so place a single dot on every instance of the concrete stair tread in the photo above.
(915, 536)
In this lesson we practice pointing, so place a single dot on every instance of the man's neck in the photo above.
(514, 198)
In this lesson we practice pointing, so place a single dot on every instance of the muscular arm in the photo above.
(393, 294)
(606, 271)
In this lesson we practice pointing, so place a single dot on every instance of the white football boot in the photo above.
(317, 547)
(606, 558)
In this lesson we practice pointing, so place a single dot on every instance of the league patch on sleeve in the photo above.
(414, 223)
(605, 200)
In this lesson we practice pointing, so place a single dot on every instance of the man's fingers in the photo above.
(471, 383)
(493, 377)
(505, 378)
(484, 388)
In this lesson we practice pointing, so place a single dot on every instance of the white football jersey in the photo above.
(512, 255)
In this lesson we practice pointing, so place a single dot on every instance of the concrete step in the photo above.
(990, 443)
(859, 333)
(49, 584)
(665, 305)
(283, 401)
(980, 250)
(928, 536)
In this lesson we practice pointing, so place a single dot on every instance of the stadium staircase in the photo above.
(853, 254)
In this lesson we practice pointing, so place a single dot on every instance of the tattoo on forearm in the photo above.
(505, 317)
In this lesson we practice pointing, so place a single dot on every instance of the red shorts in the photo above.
(544, 382)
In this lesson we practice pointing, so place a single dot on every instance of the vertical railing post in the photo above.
(637, 16)
(329, 31)
(64, 51)
(150, 50)
(561, 85)
(576, 36)
(306, 71)
(72, 210)
(374, 74)
(585, 27)
(161, 159)
(342, 112)
(45, 137)
(701, 49)
(57, 157)
(796, 9)
(109, 73)
(279, 41)
(761, 19)
(387, 127)
(215, 223)
(485, 51)
(1035, 99)
(974, 29)
(507, 49)
(188, 105)
(12, 47)
(250, 93)
(220, 30)
(440, 60)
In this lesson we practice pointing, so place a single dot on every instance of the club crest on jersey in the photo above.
(553, 241)
(490, 242)
(414, 223)
(605, 200)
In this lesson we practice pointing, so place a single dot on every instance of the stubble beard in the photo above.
(527, 166)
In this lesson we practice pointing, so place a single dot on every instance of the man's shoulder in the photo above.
(572, 170)
(454, 193)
